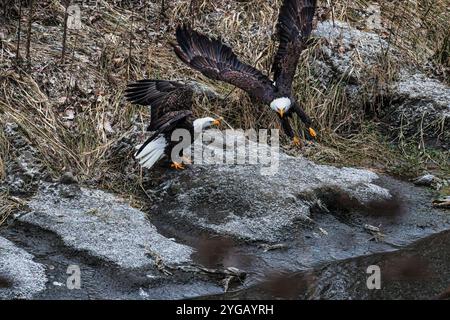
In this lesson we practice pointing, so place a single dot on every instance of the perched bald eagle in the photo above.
(217, 61)
(171, 109)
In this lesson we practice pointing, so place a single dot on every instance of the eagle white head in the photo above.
(281, 105)
(205, 123)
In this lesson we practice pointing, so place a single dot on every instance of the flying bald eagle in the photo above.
(171, 109)
(217, 61)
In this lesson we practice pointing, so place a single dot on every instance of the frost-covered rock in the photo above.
(103, 225)
(20, 276)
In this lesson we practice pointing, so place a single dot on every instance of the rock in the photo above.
(240, 202)
(103, 225)
(68, 178)
(414, 105)
(425, 180)
(23, 169)
(20, 276)
(347, 52)
(420, 107)
(442, 202)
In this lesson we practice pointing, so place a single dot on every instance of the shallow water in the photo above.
(419, 271)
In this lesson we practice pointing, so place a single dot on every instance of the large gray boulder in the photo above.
(349, 56)
(103, 225)
(420, 107)
(240, 202)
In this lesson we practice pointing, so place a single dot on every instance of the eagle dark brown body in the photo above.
(171, 104)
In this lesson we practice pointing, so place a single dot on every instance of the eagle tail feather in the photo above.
(151, 151)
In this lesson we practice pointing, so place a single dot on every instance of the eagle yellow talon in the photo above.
(312, 132)
(296, 141)
(177, 166)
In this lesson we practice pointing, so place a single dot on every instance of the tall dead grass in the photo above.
(4, 153)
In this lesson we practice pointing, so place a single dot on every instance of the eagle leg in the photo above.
(186, 160)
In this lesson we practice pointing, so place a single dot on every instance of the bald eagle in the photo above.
(217, 61)
(171, 109)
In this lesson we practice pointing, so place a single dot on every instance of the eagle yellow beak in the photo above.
(281, 112)
(216, 122)
(312, 132)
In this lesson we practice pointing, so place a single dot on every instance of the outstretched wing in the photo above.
(218, 62)
(163, 97)
(294, 27)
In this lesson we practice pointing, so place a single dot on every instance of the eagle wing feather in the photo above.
(162, 96)
(218, 62)
(294, 28)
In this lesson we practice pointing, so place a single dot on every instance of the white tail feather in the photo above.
(152, 152)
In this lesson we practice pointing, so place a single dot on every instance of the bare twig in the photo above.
(19, 30)
(69, 89)
(66, 17)
(162, 13)
(331, 4)
(130, 46)
(30, 21)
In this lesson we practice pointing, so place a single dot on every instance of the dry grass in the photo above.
(4, 154)
(419, 28)
(8, 206)
(82, 146)
(126, 40)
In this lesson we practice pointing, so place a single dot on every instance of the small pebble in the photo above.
(68, 178)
